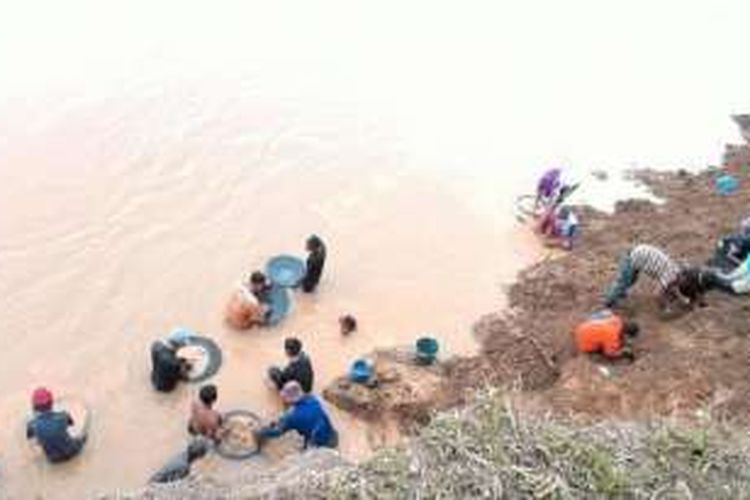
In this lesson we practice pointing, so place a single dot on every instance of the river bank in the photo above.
(692, 363)
(691, 368)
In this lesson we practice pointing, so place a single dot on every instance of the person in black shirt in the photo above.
(315, 261)
(178, 467)
(299, 367)
(166, 367)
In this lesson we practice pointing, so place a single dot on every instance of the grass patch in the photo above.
(489, 451)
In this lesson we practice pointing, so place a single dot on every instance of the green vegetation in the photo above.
(489, 451)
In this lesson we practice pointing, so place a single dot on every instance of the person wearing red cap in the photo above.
(50, 428)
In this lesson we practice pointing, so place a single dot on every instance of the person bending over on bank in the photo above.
(316, 259)
(299, 368)
(167, 368)
(559, 226)
(178, 467)
(305, 415)
(50, 429)
(606, 333)
(204, 420)
(675, 282)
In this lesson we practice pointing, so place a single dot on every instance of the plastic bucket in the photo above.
(360, 371)
(427, 349)
(726, 184)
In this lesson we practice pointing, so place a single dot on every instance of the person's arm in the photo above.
(30, 431)
(732, 252)
(622, 348)
(69, 419)
(184, 368)
(277, 429)
(670, 294)
(290, 372)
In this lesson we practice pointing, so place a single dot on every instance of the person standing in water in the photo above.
(50, 429)
(316, 259)
(167, 368)
(204, 419)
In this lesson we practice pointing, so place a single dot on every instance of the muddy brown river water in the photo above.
(114, 234)
(152, 153)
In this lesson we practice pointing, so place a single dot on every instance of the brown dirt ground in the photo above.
(699, 360)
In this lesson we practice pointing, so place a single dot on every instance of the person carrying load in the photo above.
(50, 429)
(676, 283)
(605, 332)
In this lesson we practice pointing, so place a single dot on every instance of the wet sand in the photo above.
(111, 237)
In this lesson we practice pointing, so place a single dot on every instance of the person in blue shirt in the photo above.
(305, 415)
(50, 428)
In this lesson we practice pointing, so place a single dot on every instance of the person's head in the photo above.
(630, 329)
(291, 392)
(42, 399)
(348, 324)
(313, 243)
(292, 346)
(185, 367)
(196, 449)
(208, 395)
(257, 280)
(691, 283)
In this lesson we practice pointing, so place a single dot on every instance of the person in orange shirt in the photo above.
(606, 333)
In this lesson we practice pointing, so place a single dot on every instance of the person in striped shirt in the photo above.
(676, 283)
